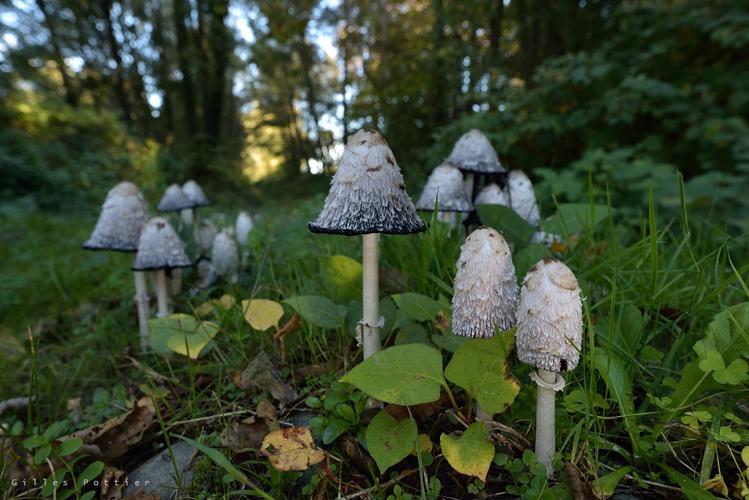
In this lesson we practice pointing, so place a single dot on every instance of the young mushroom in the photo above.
(368, 197)
(492, 195)
(523, 198)
(174, 200)
(123, 215)
(445, 189)
(474, 154)
(160, 249)
(242, 227)
(225, 256)
(205, 233)
(549, 337)
(197, 199)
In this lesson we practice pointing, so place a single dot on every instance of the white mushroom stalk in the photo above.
(225, 256)
(523, 198)
(160, 249)
(367, 197)
(444, 188)
(474, 154)
(549, 337)
(123, 215)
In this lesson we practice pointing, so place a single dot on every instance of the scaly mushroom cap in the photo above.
(523, 198)
(474, 153)
(367, 193)
(174, 199)
(492, 195)
(195, 193)
(445, 186)
(204, 235)
(160, 247)
(225, 255)
(243, 226)
(550, 319)
(485, 290)
(122, 217)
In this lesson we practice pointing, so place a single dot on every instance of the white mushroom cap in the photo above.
(474, 153)
(550, 320)
(122, 217)
(492, 195)
(160, 247)
(445, 186)
(485, 291)
(243, 226)
(195, 193)
(367, 193)
(523, 198)
(205, 233)
(174, 199)
(225, 254)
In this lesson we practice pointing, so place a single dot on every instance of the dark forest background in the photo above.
(232, 92)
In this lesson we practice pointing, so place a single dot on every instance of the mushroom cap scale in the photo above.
(367, 193)
(492, 195)
(160, 247)
(474, 153)
(195, 193)
(445, 186)
(123, 215)
(522, 197)
(485, 290)
(549, 315)
(174, 199)
(225, 254)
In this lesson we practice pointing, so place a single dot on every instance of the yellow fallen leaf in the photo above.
(425, 445)
(226, 301)
(292, 448)
(472, 453)
(204, 309)
(745, 455)
(262, 314)
(716, 484)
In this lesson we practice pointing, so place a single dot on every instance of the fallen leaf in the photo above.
(262, 314)
(265, 409)
(470, 454)
(262, 375)
(717, 484)
(109, 490)
(292, 448)
(245, 435)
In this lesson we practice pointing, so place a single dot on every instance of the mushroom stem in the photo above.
(141, 300)
(175, 281)
(187, 215)
(371, 305)
(545, 437)
(482, 414)
(468, 183)
(162, 294)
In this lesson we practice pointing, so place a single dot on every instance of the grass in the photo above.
(651, 285)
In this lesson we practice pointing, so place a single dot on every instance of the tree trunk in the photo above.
(114, 52)
(183, 61)
(71, 95)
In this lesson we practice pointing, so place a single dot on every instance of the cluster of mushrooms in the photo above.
(368, 197)
(125, 225)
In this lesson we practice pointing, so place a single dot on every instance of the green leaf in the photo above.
(416, 306)
(91, 472)
(448, 341)
(388, 440)
(527, 256)
(506, 221)
(88, 495)
(412, 333)
(619, 383)
(335, 428)
(480, 367)
(604, 486)
(472, 453)
(53, 482)
(712, 361)
(319, 311)
(346, 412)
(220, 459)
(69, 446)
(733, 374)
(342, 277)
(42, 453)
(34, 442)
(180, 332)
(404, 375)
(572, 218)
(690, 489)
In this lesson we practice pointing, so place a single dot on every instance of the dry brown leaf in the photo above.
(262, 375)
(292, 448)
(110, 490)
(245, 435)
(265, 409)
(140, 494)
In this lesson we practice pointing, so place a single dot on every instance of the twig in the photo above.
(150, 371)
(210, 417)
(387, 484)
(14, 404)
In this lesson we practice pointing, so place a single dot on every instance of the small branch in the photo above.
(455, 404)
(385, 485)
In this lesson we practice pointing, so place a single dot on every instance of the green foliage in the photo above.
(319, 311)
(389, 441)
(470, 454)
(181, 333)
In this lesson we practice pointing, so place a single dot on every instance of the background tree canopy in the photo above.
(235, 91)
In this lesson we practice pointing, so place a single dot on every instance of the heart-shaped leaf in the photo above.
(388, 440)
(472, 453)
(181, 333)
(262, 314)
(319, 311)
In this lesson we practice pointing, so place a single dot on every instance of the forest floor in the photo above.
(648, 413)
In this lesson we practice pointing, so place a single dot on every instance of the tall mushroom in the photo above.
(492, 194)
(174, 200)
(549, 337)
(473, 154)
(122, 217)
(225, 255)
(160, 249)
(523, 198)
(445, 188)
(198, 199)
(368, 197)
(242, 227)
